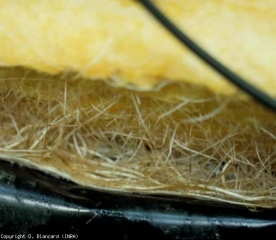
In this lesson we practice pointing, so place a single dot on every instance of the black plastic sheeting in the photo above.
(36, 205)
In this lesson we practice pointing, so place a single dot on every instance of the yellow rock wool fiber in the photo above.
(120, 41)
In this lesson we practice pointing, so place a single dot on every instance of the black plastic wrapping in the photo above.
(36, 205)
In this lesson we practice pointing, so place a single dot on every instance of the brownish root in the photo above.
(181, 140)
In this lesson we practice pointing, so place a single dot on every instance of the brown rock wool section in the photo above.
(97, 92)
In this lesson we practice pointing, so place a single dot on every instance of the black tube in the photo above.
(254, 92)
